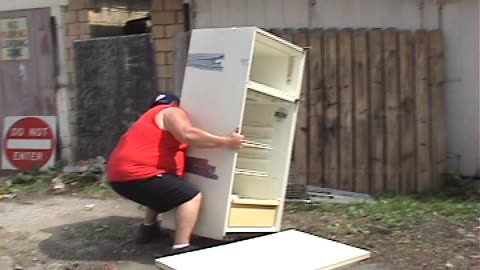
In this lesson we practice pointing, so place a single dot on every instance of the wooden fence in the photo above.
(372, 118)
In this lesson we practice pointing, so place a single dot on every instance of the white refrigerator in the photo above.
(248, 79)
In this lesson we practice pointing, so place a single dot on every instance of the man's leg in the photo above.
(186, 218)
(149, 229)
(150, 216)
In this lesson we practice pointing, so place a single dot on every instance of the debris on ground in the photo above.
(8, 196)
(314, 195)
(58, 185)
(89, 207)
(96, 164)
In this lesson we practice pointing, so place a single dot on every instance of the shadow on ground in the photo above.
(106, 239)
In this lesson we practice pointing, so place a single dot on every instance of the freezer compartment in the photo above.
(250, 213)
(276, 67)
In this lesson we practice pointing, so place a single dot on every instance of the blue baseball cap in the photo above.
(165, 98)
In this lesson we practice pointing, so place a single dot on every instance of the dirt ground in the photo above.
(64, 232)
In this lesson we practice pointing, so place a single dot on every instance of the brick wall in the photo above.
(77, 27)
(167, 20)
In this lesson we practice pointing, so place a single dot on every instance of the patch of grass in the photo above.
(25, 183)
(86, 182)
(96, 188)
(401, 210)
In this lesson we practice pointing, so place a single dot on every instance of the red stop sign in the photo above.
(29, 143)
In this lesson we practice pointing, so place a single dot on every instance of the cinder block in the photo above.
(180, 17)
(80, 4)
(156, 5)
(73, 29)
(70, 16)
(77, 29)
(165, 71)
(84, 28)
(171, 30)
(164, 45)
(162, 85)
(170, 58)
(158, 31)
(82, 15)
(70, 54)
(163, 17)
(160, 58)
(171, 85)
(173, 4)
(71, 78)
(69, 41)
(70, 65)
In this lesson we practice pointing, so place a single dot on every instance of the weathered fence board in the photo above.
(392, 121)
(345, 79)
(317, 93)
(407, 112)
(438, 131)
(377, 112)
(331, 109)
(422, 107)
(362, 181)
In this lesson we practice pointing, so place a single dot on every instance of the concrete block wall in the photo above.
(76, 27)
(167, 20)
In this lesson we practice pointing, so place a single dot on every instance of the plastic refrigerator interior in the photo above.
(248, 79)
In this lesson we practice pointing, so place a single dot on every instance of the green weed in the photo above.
(401, 210)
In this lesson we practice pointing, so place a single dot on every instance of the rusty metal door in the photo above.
(27, 73)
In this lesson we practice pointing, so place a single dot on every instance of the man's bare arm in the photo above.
(177, 122)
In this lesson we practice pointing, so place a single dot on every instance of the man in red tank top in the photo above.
(148, 163)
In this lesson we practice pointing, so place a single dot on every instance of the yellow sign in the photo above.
(14, 39)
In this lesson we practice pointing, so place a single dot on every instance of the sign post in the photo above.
(29, 142)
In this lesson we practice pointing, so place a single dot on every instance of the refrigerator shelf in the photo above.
(251, 172)
(259, 145)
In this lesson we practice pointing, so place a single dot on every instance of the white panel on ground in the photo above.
(286, 250)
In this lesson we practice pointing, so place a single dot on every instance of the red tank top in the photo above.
(145, 150)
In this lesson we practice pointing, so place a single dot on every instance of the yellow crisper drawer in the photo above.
(253, 213)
